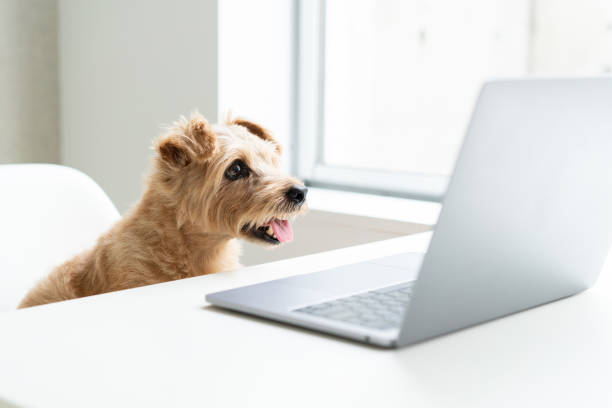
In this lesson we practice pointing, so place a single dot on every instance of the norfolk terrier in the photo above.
(209, 186)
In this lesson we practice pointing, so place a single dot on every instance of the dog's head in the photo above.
(226, 179)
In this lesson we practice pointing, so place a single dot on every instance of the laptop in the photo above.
(526, 220)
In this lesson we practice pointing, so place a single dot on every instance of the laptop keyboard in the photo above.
(377, 309)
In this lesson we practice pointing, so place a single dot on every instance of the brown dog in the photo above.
(209, 186)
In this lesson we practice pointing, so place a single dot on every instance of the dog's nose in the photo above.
(297, 194)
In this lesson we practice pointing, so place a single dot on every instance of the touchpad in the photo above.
(360, 277)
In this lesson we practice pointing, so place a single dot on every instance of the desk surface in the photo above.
(162, 345)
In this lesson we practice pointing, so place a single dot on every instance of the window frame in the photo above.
(307, 157)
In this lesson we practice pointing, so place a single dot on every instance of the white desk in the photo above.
(163, 346)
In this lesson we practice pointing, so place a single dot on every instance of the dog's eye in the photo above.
(237, 170)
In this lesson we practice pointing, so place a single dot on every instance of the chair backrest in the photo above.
(48, 214)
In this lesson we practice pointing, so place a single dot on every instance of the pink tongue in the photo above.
(282, 230)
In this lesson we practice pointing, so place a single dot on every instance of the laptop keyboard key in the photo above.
(377, 309)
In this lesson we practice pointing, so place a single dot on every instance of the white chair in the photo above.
(48, 214)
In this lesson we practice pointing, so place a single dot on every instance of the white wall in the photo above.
(126, 67)
(255, 63)
(29, 114)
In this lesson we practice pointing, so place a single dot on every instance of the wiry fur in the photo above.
(187, 221)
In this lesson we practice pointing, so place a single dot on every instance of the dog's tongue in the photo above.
(282, 230)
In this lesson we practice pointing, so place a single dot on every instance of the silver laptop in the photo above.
(526, 220)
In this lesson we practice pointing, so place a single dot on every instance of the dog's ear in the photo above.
(188, 141)
(257, 130)
(174, 152)
(201, 137)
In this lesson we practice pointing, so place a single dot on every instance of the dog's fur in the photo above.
(187, 221)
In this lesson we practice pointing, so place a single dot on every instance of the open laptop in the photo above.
(526, 220)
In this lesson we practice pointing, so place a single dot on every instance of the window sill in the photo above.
(374, 206)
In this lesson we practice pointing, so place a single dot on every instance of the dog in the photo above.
(210, 185)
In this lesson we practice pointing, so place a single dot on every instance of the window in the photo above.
(386, 87)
